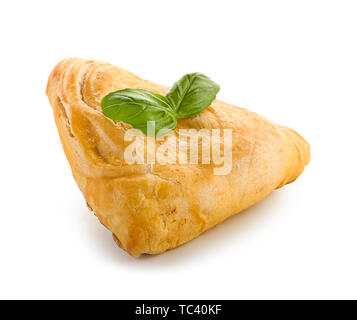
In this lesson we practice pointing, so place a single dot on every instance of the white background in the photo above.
(295, 62)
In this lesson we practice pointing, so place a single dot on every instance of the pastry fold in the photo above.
(151, 208)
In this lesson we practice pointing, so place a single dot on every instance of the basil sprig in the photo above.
(189, 96)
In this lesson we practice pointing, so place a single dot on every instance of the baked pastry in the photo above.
(151, 208)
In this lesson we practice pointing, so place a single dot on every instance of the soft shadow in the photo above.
(100, 238)
(210, 241)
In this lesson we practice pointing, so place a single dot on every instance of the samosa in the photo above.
(153, 207)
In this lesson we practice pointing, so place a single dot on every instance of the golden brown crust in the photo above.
(153, 208)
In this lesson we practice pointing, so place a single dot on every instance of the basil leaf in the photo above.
(137, 107)
(192, 94)
(189, 96)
